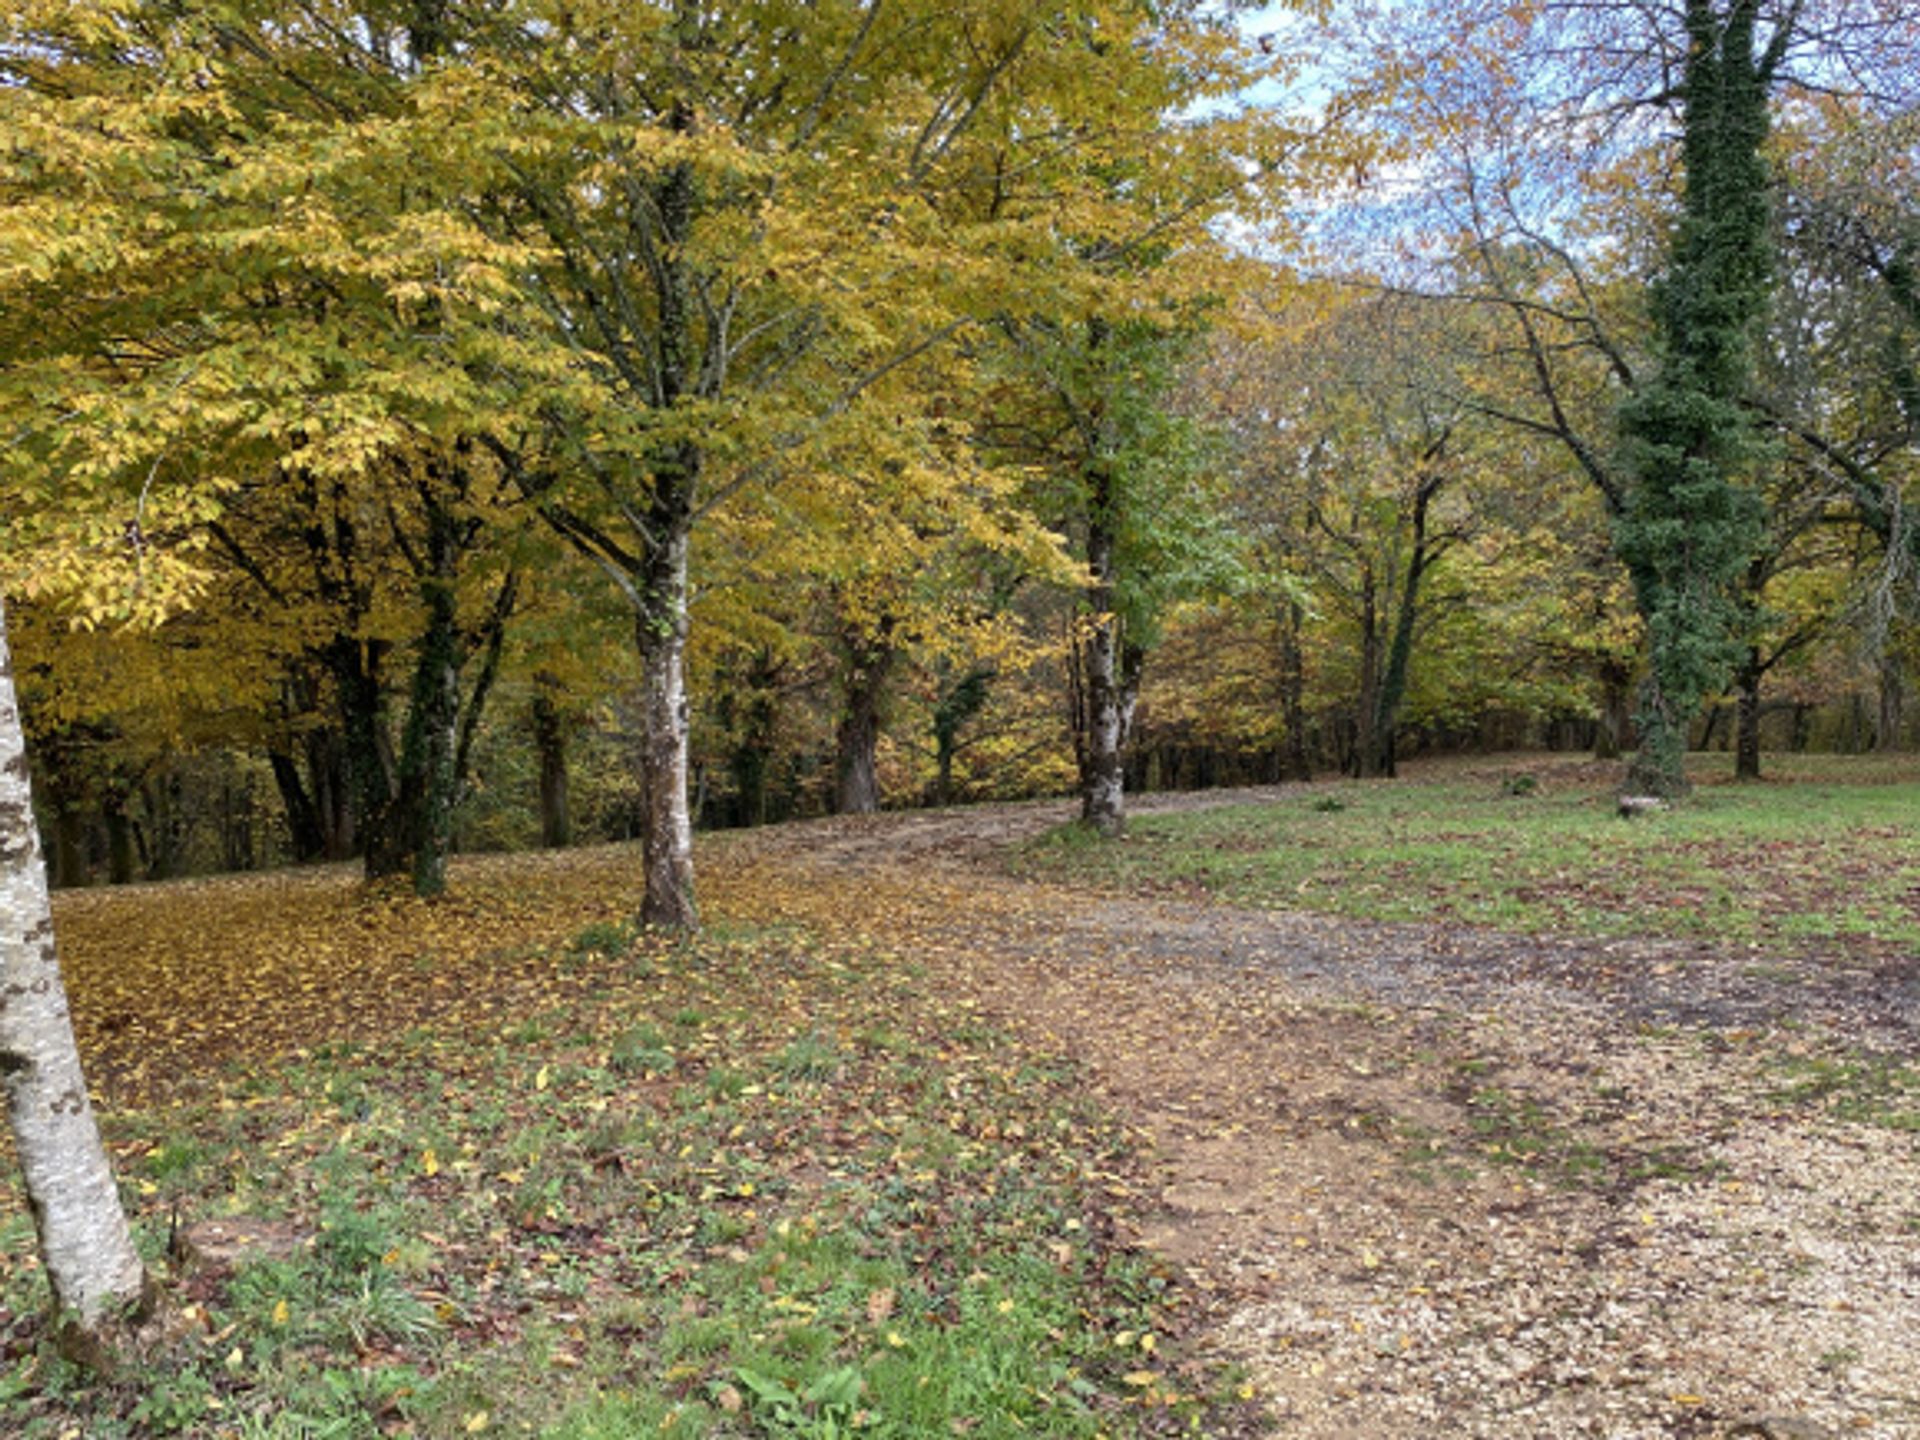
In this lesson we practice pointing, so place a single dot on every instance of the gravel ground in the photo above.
(1441, 1181)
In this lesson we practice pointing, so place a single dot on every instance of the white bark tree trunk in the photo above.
(91, 1263)
(668, 840)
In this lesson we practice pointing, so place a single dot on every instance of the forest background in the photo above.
(436, 427)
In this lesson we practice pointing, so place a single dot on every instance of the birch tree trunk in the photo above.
(91, 1263)
(667, 844)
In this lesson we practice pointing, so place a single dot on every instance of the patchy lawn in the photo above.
(585, 1182)
(1827, 855)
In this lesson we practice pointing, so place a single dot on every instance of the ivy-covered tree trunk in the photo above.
(1690, 525)
(91, 1264)
(667, 852)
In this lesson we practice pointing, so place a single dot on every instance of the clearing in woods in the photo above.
(1418, 1178)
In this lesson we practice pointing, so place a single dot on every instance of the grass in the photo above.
(1828, 855)
(750, 1190)
(1861, 1088)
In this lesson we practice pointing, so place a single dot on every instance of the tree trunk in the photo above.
(1893, 697)
(166, 826)
(368, 753)
(428, 771)
(1366, 713)
(305, 836)
(236, 831)
(667, 845)
(1295, 762)
(856, 781)
(1746, 744)
(71, 870)
(1710, 732)
(750, 713)
(667, 840)
(1659, 766)
(856, 789)
(120, 856)
(1103, 722)
(91, 1264)
(1616, 714)
(332, 791)
(550, 742)
(1689, 528)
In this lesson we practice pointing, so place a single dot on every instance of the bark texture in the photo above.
(550, 741)
(1746, 742)
(1296, 761)
(870, 657)
(667, 842)
(1105, 691)
(94, 1270)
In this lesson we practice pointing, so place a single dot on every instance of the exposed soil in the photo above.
(1443, 1181)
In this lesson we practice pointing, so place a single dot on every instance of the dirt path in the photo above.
(1447, 1182)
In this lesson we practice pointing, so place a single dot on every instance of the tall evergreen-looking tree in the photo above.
(1691, 522)
(1551, 202)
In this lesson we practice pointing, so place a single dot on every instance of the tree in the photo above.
(1559, 199)
(96, 1275)
(1691, 525)
(1090, 409)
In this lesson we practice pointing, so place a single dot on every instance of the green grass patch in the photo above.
(1864, 1089)
(1826, 858)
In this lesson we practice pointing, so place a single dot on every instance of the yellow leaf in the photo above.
(1141, 1378)
(477, 1422)
(540, 1080)
(280, 1313)
(429, 1162)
